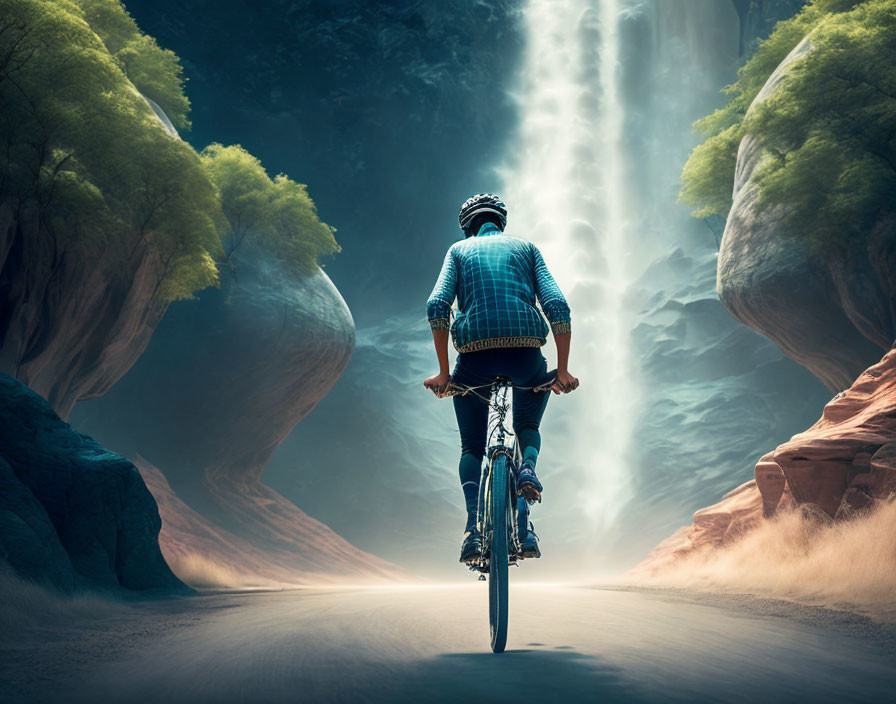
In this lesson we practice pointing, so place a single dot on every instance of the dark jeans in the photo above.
(525, 366)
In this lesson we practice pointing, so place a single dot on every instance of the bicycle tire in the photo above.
(498, 558)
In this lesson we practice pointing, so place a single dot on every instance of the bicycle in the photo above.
(503, 513)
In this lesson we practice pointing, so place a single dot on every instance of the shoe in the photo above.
(527, 484)
(529, 544)
(471, 549)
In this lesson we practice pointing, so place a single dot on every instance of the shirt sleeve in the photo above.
(550, 297)
(438, 307)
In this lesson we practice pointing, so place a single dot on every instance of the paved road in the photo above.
(431, 645)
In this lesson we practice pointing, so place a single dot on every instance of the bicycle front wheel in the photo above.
(498, 502)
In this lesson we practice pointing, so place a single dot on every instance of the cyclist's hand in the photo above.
(438, 383)
(564, 383)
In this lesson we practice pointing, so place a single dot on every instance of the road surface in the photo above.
(430, 644)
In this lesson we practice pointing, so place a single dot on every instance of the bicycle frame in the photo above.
(497, 443)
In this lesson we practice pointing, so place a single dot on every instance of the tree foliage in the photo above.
(154, 71)
(84, 152)
(277, 213)
(829, 128)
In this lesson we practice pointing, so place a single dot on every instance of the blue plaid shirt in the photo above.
(497, 280)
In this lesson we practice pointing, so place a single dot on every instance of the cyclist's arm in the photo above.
(438, 310)
(551, 299)
(440, 340)
(562, 341)
(438, 307)
(557, 311)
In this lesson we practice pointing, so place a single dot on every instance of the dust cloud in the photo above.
(845, 565)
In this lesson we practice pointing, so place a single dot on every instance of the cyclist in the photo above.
(497, 280)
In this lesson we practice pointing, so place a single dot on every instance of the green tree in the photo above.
(87, 157)
(829, 129)
(278, 213)
(155, 72)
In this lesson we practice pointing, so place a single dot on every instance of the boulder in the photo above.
(851, 447)
(72, 514)
(28, 540)
(834, 315)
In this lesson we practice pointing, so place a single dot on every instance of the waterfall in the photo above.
(565, 189)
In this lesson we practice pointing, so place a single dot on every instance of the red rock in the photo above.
(737, 512)
(193, 544)
(770, 482)
(823, 462)
(841, 466)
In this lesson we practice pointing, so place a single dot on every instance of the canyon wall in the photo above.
(106, 216)
(74, 316)
(225, 379)
(834, 313)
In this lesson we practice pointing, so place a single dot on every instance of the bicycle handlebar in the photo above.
(457, 390)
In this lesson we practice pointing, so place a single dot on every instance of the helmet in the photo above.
(480, 204)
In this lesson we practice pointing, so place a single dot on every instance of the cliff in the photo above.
(224, 381)
(106, 217)
(830, 307)
(72, 320)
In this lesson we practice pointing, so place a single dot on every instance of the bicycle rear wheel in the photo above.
(498, 500)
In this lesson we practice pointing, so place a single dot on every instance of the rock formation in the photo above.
(840, 467)
(712, 527)
(205, 554)
(226, 378)
(72, 319)
(845, 461)
(834, 315)
(72, 514)
(74, 314)
(80, 300)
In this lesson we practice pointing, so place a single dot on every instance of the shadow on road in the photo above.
(540, 674)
